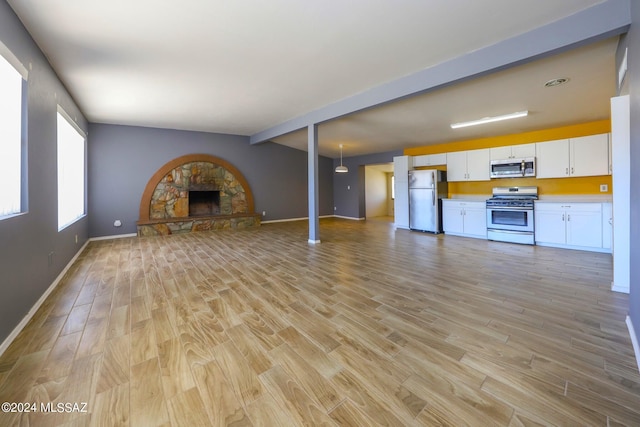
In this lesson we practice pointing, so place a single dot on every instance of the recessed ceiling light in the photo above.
(556, 82)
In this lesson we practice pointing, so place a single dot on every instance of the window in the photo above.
(71, 171)
(10, 138)
(393, 187)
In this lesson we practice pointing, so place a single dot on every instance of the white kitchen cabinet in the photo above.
(401, 167)
(583, 156)
(470, 165)
(430, 160)
(464, 218)
(552, 159)
(457, 166)
(569, 225)
(590, 155)
(513, 152)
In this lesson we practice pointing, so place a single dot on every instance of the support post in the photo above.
(314, 211)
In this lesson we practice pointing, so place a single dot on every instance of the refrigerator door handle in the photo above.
(433, 197)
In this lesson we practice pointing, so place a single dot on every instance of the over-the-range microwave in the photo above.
(513, 168)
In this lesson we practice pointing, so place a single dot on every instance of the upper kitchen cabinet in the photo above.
(590, 155)
(468, 165)
(513, 152)
(583, 156)
(430, 160)
(553, 159)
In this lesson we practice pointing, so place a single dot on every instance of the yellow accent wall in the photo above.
(558, 186)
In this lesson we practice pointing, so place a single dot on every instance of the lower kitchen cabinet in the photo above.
(570, 225)
(464, 218)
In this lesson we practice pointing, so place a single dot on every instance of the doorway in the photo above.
(379, 191)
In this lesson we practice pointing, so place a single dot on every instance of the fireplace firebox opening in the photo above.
(204, 203)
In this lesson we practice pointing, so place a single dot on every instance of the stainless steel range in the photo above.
(510, 214)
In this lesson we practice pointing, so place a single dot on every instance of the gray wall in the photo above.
(348, 188)
(633, 76)
(26, 240)
(122, 159)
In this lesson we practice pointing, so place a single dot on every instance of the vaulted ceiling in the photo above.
(243, 67)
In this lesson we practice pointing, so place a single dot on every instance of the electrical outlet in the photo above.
(117, 223)
(604, 188)
(335, 208)
(264, 213)
(76, 238)
(348, 187)
(50, 259)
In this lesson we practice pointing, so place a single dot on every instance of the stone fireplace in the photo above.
(193, 193)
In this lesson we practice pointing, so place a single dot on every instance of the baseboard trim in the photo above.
(349, 217)
(634, 341)
(115, 236)
(12, 336)
(621, 289)
(304, 218)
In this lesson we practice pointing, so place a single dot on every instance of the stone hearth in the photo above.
(195, 193)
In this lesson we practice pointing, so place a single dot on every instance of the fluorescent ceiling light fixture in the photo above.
(489, 119)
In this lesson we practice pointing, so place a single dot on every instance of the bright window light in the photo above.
(71, 173)
(10, 138)
(393, 187)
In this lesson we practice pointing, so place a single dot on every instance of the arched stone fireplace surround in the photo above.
(196, 192)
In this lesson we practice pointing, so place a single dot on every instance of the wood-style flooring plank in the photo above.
(221, 404)
(293, 397)
(375, 326)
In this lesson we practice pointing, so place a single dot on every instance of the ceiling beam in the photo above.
(604, 20)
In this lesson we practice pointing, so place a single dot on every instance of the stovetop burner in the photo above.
(513, 197)
(510, 202)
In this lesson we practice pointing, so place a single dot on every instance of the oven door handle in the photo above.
(498, 208)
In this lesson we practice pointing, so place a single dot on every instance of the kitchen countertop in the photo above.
(576, 198)
(562, 198)
(469, 197)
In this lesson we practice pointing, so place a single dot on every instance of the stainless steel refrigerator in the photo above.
(427, 188)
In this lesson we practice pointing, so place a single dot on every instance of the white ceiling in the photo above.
(241, 67)
(425, 119)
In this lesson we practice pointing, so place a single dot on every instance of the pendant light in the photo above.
(341, 168)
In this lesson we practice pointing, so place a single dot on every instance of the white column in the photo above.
(314, 199)
(621, 179)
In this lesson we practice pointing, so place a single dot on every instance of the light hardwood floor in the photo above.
(371, 327)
